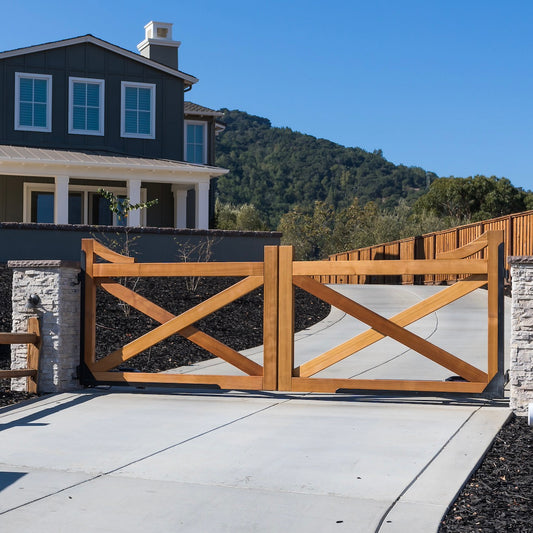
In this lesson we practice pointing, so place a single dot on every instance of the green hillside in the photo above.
(276, 169)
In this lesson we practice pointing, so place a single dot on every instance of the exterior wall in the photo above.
(521, 367)
(42, 241)
(57, 285)
(11, 195)
(90, 61)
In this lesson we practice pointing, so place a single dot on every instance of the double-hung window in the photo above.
(138, 110)
(33, 102)
(86, 106)
(195, 142)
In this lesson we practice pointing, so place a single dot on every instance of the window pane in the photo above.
(26, 114)
(131, 98)
(130, 122)
(144, 99)
(93, 95)
(199, 136)
(39, 115)
(93, 119)
(39, 90)
(199, 154)
(42, 207)
(101, 214)
(78, 118)
(78, 93)
(144, 122)
(26, 89)
(75, 208)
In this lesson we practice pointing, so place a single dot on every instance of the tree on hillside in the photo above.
(473, 198)
(277, 169)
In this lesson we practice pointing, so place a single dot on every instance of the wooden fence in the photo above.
(517, 237)
(279, 274)
(33, 339)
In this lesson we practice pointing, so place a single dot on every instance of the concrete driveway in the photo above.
(142, 460)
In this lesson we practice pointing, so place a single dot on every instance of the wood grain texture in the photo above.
(467, 250)
(390, 329)
(270, 319)
(89, 326)
(34, 351)
(286, 319)
(495, 239)
(369, 337)
(389, 268)
(109, 255)
(19, 373)
(110, 270)
(18, 338)
(333, 385)
(224, 382)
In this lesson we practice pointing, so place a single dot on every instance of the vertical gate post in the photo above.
(495, 312)
(89, 300)
(270, 319)
(286, 319)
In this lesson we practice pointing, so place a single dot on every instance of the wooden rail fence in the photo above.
(517, 237)
(33, 339)
(279, 274)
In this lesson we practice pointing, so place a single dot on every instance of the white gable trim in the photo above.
(187, 78)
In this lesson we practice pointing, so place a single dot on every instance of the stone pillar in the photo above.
(521, 367)
(57, 286)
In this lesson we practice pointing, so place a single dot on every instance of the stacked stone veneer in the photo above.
(57, 285)
(521, 367)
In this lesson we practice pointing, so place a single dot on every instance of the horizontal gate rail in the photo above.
(33, 339)
(256, 274)
(479, 273)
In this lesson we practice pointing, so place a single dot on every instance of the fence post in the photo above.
(55, 299)
(286, 319)
(521, 368)
(270, 319)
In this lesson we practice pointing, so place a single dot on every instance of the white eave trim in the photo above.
(104, 44)
(152, 171)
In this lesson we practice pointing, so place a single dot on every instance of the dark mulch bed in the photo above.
(499, 496)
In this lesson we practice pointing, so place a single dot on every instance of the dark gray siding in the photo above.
(91, 61)
(160, 215)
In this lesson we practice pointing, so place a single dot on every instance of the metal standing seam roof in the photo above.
(196, 109)
(25, 154)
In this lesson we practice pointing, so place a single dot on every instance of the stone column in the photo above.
(57, 286)
(521, 367)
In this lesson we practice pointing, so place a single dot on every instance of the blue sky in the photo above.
(442, 84)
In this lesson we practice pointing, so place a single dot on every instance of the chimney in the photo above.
(158, 44)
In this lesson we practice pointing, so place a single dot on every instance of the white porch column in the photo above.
(61, 200)
(134, 195)
(202, 205)
(180, 207)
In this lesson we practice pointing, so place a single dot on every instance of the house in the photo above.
(82, 113)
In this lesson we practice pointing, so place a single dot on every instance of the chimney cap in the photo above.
(157, 33)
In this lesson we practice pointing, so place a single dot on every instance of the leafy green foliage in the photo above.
(276, 169)
(242, 217)
(122, 206)
(474, 198)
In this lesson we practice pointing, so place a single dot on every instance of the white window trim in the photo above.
(200, 123)
(101, 102)
(48, 77)
(123, 132)
(30, 187)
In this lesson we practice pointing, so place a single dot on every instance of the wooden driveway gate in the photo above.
(479, 263)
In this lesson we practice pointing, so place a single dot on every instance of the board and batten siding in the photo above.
(87, 60)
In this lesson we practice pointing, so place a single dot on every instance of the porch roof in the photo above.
(24, 161)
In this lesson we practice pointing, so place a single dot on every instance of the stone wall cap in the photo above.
(43, 263)
(520, 260)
